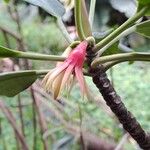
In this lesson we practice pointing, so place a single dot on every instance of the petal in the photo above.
(83, 86)
(80, 78)
(57, 84)
(67, 74)
(70, 84)
(46, 77)
(54, 74)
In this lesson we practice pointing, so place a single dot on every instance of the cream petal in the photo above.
(80, 78)
(54, 74)
(70, 84)
(84, 88)
(57, 84)
(67, 75)
(56, 79)
(46, 77)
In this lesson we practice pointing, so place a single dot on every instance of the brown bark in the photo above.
(113, 100)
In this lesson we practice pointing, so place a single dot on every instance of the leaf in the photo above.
(112, 50)
(144, 28)
(6, 52)
(85, 20)
(12, 83)
(53, 7)
(100, 35)
(147, 13)
(128, 7)
(7, 1)
(142, 3)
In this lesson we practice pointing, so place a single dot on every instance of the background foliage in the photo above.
(42, 34)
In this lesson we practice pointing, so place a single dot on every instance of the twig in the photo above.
(27, 66)
(93, 142)
(17, 141)
(60, 107)
(41, 118)
(16, 19)
(34, 120)
(21, 115)
(13, 123)
(122, 141)
(7, 31)
(81, 133)
(22, 105)
(6, 39)
(2, 136)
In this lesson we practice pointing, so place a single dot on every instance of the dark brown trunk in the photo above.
(113, 100)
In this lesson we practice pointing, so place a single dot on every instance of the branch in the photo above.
(14, 35)
(91, 140)
(21, 114)
(122, 141)
(42, 121)
(113, 100)
(13, 123)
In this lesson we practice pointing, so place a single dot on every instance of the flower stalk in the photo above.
(85, 20)
(117, 58)
(78, 20)
(92, 12)
(6, 52)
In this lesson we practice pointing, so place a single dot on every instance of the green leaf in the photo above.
(147, 13)
(144, 2)
(112, 50)
(101, 35)
(12, 83)
(85, 20)
(128, 7)
(6, 1)
(6, 52)
(144, 28)
(53, 7)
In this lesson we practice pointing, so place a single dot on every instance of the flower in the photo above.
(61, 76)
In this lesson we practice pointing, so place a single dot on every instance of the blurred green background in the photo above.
(132, 81)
